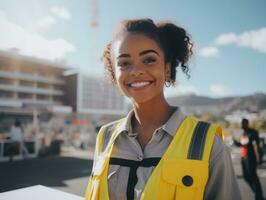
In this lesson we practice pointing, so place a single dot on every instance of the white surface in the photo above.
(38, 192)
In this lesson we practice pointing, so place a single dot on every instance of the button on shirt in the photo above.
(222, 181)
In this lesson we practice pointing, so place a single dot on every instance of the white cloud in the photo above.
(220, 90)
(254, 39)
(209, 52)
(180, 90)
(225, 39)
(31, 43)
(46, 22)
(61, 12)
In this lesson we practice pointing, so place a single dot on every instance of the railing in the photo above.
(31, 77)
(26, 89)
(19, 102)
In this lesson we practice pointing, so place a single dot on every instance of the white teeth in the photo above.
(139, 84)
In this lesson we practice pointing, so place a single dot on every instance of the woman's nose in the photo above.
(136, 71)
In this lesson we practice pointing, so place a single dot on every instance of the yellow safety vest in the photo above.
(182, 172)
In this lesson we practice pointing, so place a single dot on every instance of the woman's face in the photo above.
(139, 66)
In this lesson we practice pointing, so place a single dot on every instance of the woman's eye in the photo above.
(149, 60)
(123, 64)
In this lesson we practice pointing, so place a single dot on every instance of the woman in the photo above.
(156, 152)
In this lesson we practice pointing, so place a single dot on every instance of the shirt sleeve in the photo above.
(222, 183)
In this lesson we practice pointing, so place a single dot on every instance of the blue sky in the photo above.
(229, 37)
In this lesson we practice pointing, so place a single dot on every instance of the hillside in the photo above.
(201, 104)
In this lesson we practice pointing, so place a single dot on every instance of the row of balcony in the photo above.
(11, 102)
(30, 77)
(31, 90)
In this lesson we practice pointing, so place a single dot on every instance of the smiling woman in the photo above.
(156, 151)
(139, 67)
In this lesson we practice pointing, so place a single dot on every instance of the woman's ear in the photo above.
(168, 71)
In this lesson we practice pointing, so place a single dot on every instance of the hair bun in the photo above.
(177, 41)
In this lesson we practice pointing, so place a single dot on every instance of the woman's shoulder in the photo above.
(107, 131)
(219, 150)
(214, 132)
(109, 127)
(213, 127)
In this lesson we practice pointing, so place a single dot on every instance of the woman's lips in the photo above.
(139, 84)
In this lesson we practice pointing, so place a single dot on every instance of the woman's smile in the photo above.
(140, 67)
(139, 84)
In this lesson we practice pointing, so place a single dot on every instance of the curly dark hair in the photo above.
(173, 40)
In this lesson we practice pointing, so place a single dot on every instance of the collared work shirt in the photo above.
(221, 184)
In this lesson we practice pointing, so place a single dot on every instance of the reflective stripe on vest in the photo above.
(197, 142)
(182, 172)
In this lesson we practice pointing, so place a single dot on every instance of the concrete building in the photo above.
(28, 84)
(91, 95)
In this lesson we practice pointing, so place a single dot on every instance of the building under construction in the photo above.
(34, 88)
(29, 84)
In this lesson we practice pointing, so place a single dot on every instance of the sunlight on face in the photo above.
(139, 67)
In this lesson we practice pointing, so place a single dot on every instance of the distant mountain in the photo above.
(200, 104)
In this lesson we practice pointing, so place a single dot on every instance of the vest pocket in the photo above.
(188, 176)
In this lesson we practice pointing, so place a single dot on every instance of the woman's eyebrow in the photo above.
(123, 55)
(126, 55)
(148, 51)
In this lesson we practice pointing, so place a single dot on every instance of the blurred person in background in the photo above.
(250, 158)
(16, 136)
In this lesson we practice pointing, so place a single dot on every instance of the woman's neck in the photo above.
(151, 114)
(148, 117)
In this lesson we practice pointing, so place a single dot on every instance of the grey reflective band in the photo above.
(197, 143)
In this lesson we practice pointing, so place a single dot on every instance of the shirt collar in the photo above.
(169, 127)
(174, 122)
(125, 126)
